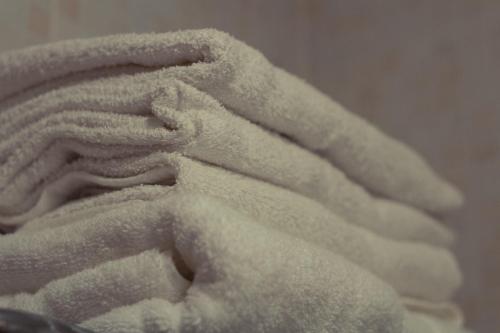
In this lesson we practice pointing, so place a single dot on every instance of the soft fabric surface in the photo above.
(243, 80)
(99, 289)
(245, 276)
(121, 282)
(180, 182)
(414, 269)
(131, 112)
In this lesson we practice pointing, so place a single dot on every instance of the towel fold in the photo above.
(180, 182)
(146, 112)
(413, 269)
(244, 276)
(243, 80)
(128, 281)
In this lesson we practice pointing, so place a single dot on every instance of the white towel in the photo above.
(413, 269)
(123, 283)
(243, 80)
(245, 276)
(91, 122)
(198, 126)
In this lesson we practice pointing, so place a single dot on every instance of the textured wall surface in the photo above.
(427, 72)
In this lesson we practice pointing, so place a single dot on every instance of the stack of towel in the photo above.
(179, 182)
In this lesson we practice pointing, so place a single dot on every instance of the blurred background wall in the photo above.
(426, 72)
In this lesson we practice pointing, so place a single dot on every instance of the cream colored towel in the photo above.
(413, 269)
(75, 129)
(244, 276)
(148, 112)
(243, 80)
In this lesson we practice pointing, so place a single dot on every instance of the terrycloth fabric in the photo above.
(413, 269)
(131, 280)
(99, 289)
(82, 118)
(245, 276)
(87, 208)
(243, 80)
(148, 111)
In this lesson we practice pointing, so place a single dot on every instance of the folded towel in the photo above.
(413, 269)
(243, 80)
(108, 114)
(134, 279)
(198, 126)
(244, 276)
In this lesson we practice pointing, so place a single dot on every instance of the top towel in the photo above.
(242, 79)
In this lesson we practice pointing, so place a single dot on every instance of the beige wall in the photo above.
(425, 71)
